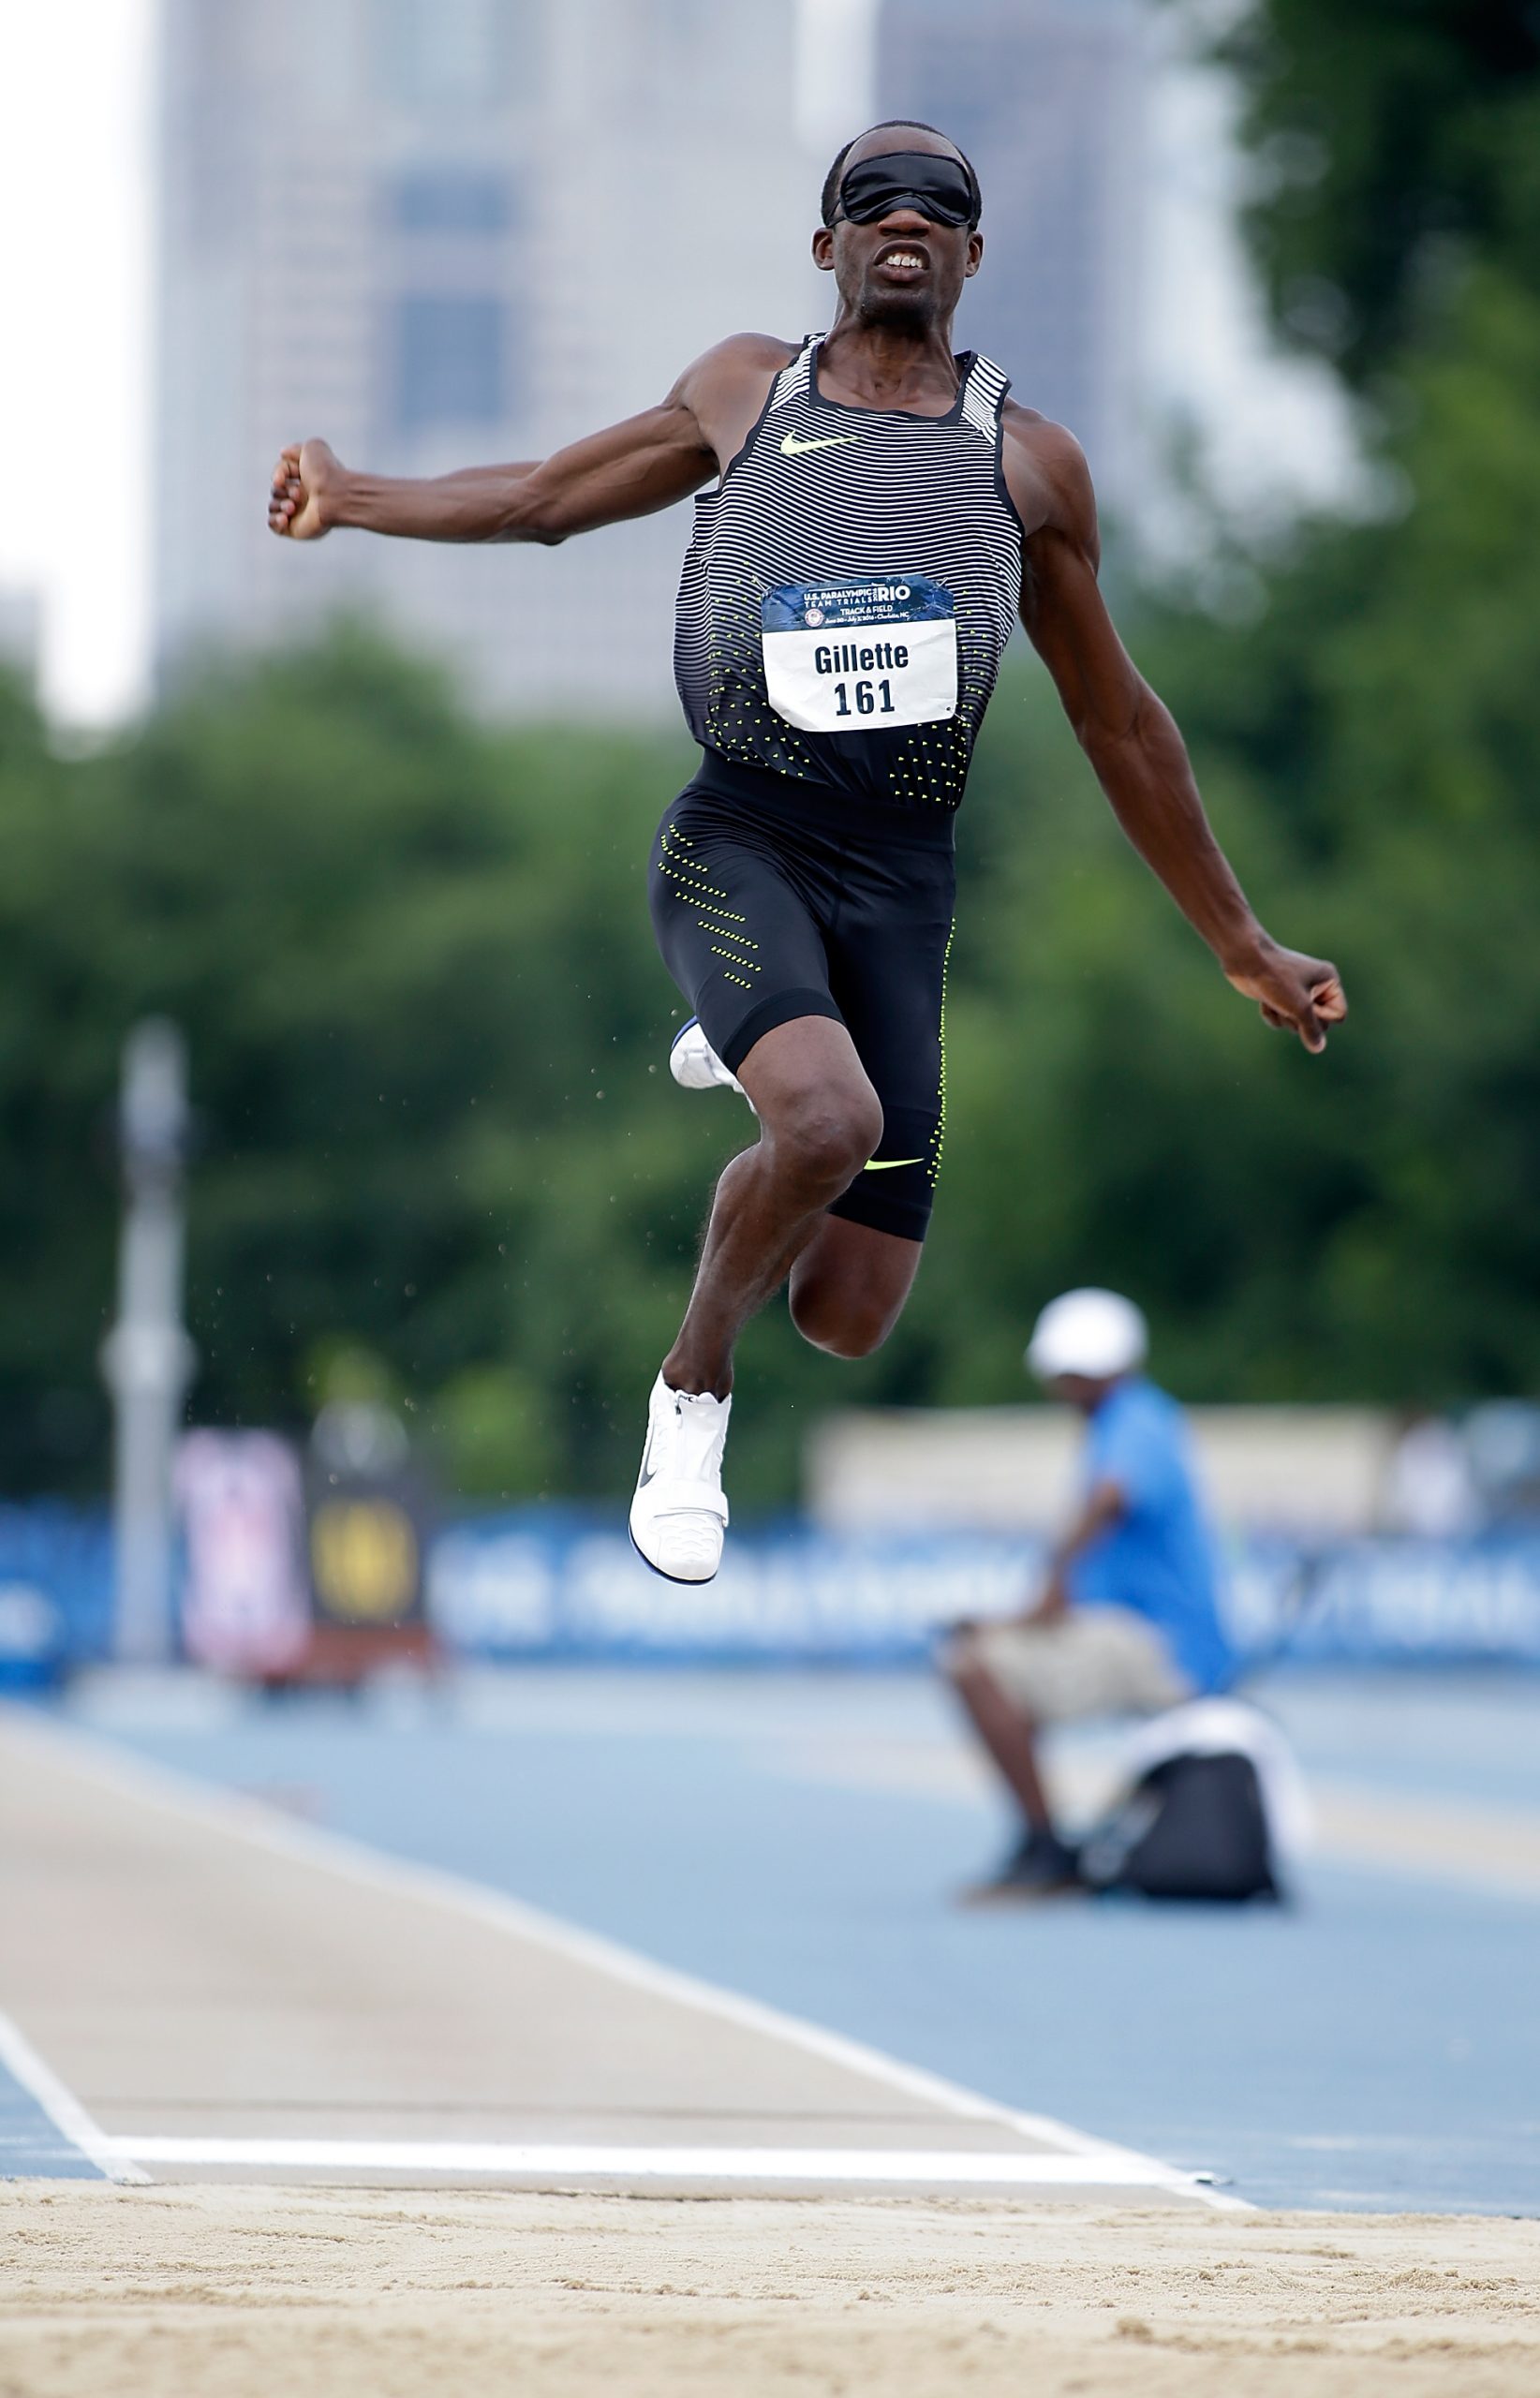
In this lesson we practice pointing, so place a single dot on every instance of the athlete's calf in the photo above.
(849, 1286)
(820, 1121)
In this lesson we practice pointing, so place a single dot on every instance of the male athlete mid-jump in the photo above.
(876, 513)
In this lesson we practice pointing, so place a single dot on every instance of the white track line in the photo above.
(262, 1826)
(568, 2162)
(61, 2106)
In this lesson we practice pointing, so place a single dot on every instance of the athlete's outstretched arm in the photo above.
(631, 469)
(1130, 737)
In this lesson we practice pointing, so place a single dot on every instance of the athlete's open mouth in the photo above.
(901, 258)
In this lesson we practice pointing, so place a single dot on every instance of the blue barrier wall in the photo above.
(55, 1590)
(521, 1586)
(552, 1583)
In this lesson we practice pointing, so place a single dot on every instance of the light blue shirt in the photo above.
(1160, 1559)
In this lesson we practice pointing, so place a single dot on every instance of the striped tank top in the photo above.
(849, 589)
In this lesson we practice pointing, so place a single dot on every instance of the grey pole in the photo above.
(147, 1359)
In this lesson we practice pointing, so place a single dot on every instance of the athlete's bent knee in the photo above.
(838, 1327)
(823, 1136)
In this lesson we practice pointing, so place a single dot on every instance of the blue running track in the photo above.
(799, 1838)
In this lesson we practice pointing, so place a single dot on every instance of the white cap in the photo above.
(1093, 1333)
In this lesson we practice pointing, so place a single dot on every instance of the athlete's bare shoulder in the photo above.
(727, 385)
(1047, 475)
(728, 365)
(752, 351)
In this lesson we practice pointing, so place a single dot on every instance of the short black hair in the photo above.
(832, 181)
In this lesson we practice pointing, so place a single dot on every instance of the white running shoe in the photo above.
(695, 1065)
(679, 1513)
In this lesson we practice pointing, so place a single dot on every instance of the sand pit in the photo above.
(230, 2292)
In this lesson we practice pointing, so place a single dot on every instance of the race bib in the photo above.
(854, 657)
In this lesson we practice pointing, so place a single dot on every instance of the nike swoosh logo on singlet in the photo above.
(792, 448)
(883, 1165)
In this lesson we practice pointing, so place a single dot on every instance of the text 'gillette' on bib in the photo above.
(857, 656)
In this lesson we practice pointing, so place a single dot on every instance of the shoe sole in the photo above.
(1019, 1894)
(1023, 1898)
(680, 1581)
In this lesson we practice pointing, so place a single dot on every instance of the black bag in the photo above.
(1193, 1826)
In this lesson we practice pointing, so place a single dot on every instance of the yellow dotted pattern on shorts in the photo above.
(692, 883)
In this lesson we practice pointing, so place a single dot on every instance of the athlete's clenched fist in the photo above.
(305, 480)
(1296, 994)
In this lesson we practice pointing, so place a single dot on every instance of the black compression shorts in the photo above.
(773, 900)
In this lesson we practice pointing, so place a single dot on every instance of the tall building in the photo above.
(1047, 97)
(439, 231)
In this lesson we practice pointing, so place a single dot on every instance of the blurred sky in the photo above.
(76, 196)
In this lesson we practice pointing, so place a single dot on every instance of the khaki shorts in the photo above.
(1091, 1661)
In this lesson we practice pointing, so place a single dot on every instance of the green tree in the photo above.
(428, 1033)
(428, 1027)
(1392, 142)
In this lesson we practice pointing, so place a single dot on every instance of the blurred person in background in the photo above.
(874, 514)
(1430, 1490)
(1126, 1620)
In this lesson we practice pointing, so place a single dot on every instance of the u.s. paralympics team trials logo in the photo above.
(887, 599)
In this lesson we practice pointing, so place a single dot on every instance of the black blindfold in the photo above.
(940, 188)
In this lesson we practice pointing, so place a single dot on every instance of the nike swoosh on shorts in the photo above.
(883, 1165)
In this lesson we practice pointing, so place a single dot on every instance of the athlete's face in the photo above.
(904, 268)
(1083, 1392)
